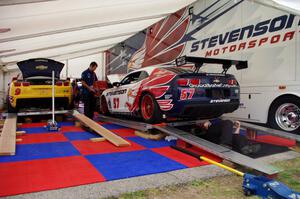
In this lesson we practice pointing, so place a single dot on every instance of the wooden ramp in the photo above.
(113, 138)
(8, 135)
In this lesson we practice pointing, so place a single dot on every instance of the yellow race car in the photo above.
(34, 88)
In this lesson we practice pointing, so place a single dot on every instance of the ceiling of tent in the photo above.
(66, 29)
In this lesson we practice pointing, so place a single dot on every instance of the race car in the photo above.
(156, 93)
(34, 87)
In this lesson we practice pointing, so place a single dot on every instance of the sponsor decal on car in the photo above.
(213, 86)
(118, 92)
(219, 100)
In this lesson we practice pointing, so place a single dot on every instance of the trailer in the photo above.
(267, 37)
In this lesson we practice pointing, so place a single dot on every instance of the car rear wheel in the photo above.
(103, 106)
(10, 109)
(284, 114)
(150, 110)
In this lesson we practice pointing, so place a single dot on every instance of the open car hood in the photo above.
(115, 77)
(40, 67)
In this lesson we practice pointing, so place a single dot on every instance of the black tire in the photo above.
(10, 109)
(70, 106)
(103, 107)
(97, 103)
(153, 114)
(247, 192)
(278, 119)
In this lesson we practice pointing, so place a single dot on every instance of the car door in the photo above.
(130, 86)
(118, 95)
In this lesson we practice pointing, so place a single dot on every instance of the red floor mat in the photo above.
(124, 132)
(30, 125)
(180, 157)
(64, 129)
(275, 140)
(42, 138)
(87, 147)
(46, 174)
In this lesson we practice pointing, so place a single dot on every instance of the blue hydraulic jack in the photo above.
(254, 185)
(267, 188)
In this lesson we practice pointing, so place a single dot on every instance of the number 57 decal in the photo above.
(186, 93)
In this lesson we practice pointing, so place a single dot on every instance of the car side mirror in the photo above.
(116, 84)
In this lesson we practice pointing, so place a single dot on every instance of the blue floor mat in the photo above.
(66, 123)
(80, 135)
(152, 143)
(34, 130)
(41, 151)
(112, 126)
(130, 164)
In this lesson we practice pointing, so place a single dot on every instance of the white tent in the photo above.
(66, 29)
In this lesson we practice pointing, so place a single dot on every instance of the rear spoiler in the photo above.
(199, 61)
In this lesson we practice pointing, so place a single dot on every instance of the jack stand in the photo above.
(52, 126)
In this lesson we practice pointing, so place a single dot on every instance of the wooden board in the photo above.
(97, 139)
(113, 138)
(20, 132)
(8, 135)
(150, 136)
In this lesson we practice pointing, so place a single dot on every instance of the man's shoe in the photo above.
(250, 149)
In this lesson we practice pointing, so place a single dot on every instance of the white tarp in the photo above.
(61, 28)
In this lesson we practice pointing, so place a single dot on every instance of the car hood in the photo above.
(115, 77)
(40, 67)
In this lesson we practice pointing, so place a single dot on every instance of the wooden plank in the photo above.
(8, 135)
(149, 136)
(20, 132)
(113, 138)
(97, 139)
(19, 124)
(295, 148)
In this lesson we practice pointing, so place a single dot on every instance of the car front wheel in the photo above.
(103, 106)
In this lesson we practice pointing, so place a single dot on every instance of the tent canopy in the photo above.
(64, 29)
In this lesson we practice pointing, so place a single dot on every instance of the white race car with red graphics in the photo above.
(156, 93)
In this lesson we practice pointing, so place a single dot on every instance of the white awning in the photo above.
(63, 29)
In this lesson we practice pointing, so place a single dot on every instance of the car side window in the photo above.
(143, 75)
(131, 78)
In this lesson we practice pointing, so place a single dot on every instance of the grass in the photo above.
(225, 187)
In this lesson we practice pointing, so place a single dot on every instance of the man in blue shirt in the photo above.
(88, 77)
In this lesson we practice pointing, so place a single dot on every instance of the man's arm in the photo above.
(237, 125)
(84, 84)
